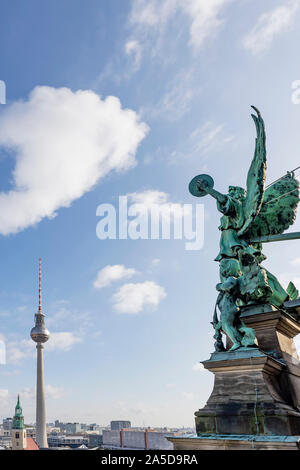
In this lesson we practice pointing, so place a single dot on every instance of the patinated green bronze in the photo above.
(250, 217)
(18, 420)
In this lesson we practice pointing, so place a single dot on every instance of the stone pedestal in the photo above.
(246, 398)
(275, 330)
(235, 442)
(255, 402)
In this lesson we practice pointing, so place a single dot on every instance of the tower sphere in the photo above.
(39, 332)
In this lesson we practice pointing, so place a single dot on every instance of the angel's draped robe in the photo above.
(231, 222)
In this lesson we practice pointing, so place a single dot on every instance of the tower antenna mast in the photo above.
(40, 286)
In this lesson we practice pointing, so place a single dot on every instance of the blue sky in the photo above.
(188, 71)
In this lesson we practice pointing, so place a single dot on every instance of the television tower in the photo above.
(40, 335)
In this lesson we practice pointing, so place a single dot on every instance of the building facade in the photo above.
(139, 439)
(7, 424)
(118, 425)
(73, 442)
(73, 428)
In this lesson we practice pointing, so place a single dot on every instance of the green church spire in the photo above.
(18, 403)
(18, 420)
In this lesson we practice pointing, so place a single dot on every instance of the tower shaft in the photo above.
(39, 334)
(41, 434)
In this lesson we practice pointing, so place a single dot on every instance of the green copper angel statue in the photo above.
(248, 215)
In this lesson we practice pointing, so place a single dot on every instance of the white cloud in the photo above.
(148, 197)
(15, 354)
(50, 391)
(27, 394)
(3, 393)
(110, 274)
(66, 316)
(9, 373)
(166, 217)
(152, 12)
(65, 142)
(63, 315)
(198, 367)
(2, 351)
(19, 350)
(6, 403)
(295, 261)
(206, 136)
(62, 341)
(54, 392)
(134, 49)
(177, 100)
(297, 343)
(132, 298)
(153, 16)
(157, 200)
(155, 262)
(269, 25)
(205, 18)
(170, 385)
(188, 395)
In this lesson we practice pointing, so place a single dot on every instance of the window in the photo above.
(17, 435)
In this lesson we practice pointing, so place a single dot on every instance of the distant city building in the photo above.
(76, 428)
(58, 424)
(139, 439)
(7, 424)
(118, 425)
(67, 441)
(5, 438)
(51, 429)
(30, 431)
(92, 427)
(73, 428)
(95, 440)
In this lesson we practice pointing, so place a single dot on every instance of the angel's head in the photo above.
(236, 192)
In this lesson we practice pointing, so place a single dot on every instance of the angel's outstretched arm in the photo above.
(221, 198)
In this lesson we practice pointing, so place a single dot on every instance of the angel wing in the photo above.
(278, 210)
(256, 175)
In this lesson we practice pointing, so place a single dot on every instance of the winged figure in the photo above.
(247, 215)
